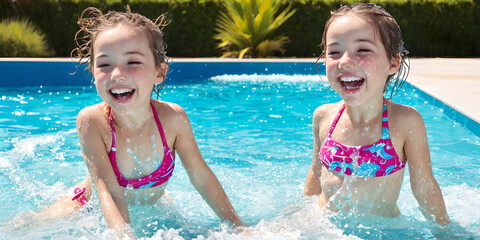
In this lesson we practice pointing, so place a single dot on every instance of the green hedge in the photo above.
(431, 28)
(19, 38)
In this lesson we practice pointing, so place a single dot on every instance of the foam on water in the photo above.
(268, 78)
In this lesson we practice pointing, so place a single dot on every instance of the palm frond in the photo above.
(246, 27)
(267, 47)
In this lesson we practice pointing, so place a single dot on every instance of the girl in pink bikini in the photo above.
(129, 140)
(363, 143)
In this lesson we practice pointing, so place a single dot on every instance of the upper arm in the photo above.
(416, 147)
(186, 146)
(91, 131)
(424, 186)
(312, 184)
(94, 149)
(417, 153)
(318, 116)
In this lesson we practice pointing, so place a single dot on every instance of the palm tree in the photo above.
(247, 28)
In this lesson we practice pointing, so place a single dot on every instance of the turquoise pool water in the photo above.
(254, 131)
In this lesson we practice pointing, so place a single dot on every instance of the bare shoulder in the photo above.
(326, 111)
(323, 117)
(172, 116)
(93, 117)
(94, 111)
(169, 111)
(404, 117)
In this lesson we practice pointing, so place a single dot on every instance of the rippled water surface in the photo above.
(255, 133)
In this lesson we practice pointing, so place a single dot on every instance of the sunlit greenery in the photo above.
(19, 38)
(430, 28)
(247, 28)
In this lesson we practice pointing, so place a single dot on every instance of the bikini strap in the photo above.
(159, 125)
(112, 155)
(335, 121)
(157, 120)
(112, 127)
(385, 115)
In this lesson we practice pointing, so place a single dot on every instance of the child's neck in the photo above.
(134, 120)
(365, 113)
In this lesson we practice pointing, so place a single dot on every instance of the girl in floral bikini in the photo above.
(363, 143)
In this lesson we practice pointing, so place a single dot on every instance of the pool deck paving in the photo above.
(453, 81)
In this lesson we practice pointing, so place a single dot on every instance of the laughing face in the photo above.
(124, 68)
(357, 66)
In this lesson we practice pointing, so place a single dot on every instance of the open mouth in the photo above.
(351, 83)
(122, 94)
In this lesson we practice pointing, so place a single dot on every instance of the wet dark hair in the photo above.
(389, 33)
(92, 22)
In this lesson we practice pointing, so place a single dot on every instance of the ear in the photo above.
(394, 64)
(161, 73)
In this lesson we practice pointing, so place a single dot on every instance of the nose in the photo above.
(117, 74)
(347, 61)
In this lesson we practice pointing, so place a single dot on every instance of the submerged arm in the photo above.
(201, 176)
(424, 186)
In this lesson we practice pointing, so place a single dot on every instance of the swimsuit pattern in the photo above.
(374, 160)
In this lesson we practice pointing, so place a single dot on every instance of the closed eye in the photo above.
(364, 50)
(134, 63)
(333, 53)
(103, 65)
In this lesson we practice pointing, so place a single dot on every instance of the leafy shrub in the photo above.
(247, 28)
(19, 38)
(430, 28)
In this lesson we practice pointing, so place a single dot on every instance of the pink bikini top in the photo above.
(375, 160)
(159, 176)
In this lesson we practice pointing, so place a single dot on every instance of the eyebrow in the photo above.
(135, 53)
(101, 56)
(127, 53)
(365, 40)
(331, 44)
(356, 41)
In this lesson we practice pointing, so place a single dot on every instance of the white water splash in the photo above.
(267, 78)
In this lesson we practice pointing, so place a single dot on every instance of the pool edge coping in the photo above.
(466, 119)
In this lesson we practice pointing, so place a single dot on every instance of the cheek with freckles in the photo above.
(330, 67)
(101, 89)
(99, 76)
(330, 72)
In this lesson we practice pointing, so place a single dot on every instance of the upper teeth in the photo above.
(121, 90)
(350, 79)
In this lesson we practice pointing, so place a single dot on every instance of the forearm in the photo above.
(432, 204)
(114, 209)
(113, 216)
(217, 199)
(312, 184)
(436, 209)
